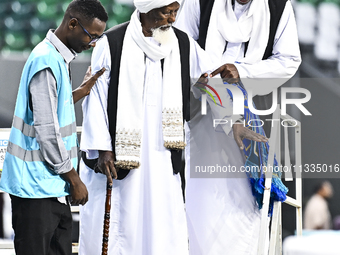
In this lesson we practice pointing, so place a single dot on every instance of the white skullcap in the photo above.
(145, 6)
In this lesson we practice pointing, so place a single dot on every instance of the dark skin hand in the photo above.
(228, 73)
(202, 81)
(87, 84)
(78, 189)
(241, 132)
(106, 165)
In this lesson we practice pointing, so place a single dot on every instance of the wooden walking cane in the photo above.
(107, 219)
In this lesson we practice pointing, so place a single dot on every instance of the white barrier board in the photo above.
(4, 136)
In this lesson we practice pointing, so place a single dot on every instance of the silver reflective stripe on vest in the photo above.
(68, 130)
(73, 153)
(23, 154)
(26, 129)
(34, 155)
(29, 130)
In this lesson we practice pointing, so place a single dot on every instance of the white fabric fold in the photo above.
(130, 94)
(252, 26)
(144, 6)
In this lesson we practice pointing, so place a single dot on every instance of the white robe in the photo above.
(147, 209)
(221, 212)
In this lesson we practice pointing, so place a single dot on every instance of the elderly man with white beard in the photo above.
(133, 124)
(133, 132)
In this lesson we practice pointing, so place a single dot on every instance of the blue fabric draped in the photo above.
(256, 159)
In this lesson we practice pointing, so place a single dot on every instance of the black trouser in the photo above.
(41, 226)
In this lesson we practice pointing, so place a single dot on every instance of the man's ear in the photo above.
(72, 23)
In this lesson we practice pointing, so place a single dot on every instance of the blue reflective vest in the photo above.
(25, 172)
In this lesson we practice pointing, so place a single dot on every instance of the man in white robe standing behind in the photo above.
(257, 39)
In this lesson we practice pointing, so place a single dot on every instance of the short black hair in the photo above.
(88, 9)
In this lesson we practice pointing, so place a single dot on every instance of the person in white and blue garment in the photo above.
(257, 39)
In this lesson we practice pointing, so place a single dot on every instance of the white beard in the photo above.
(163, 36)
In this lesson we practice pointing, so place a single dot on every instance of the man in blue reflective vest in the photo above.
(39, 167)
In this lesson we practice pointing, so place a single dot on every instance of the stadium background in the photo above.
(24, 23)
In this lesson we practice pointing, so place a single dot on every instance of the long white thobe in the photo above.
(221, 212)
(147, 211)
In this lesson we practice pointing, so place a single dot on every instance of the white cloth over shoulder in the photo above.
(252, 26)
(144, 6)
(278, 68)
(130, 96)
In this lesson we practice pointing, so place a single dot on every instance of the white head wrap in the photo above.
(145, 6)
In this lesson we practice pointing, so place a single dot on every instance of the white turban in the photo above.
(144, 6)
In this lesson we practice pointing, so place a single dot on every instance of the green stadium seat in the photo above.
(16, 23)
(111, 22)
(121, 12)
(36, 37)
(52, 2)
(16, 41)
(106, 2)
(23, 9)
(24, 23)
(64, 5)
(5, 8)
(28, 1)
(42, 24)
(2, 41)
(48, 10)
